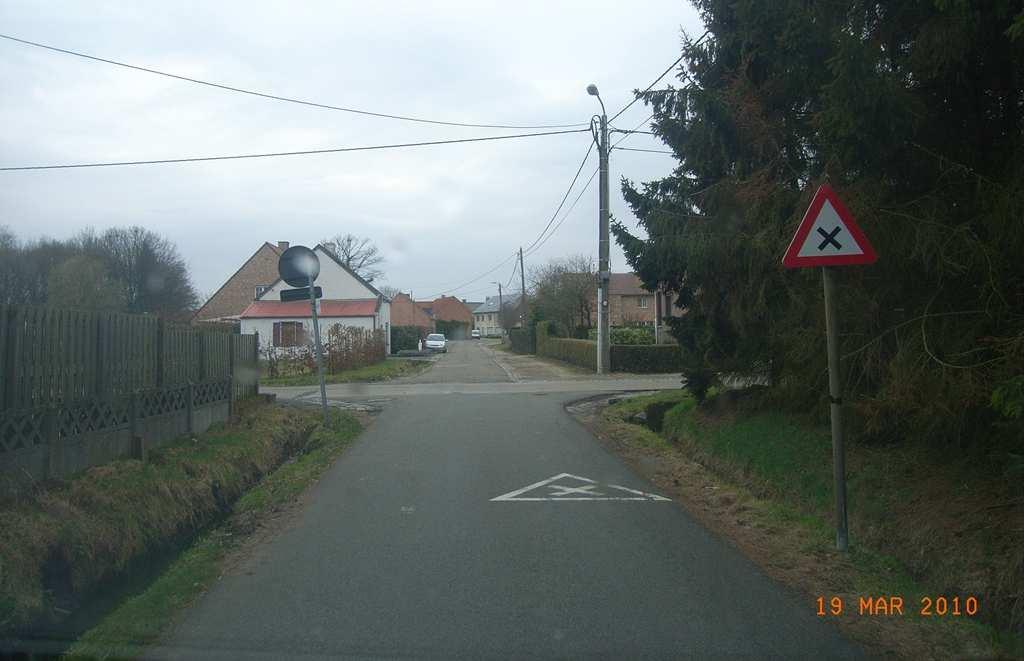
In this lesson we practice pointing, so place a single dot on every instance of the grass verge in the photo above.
(383, 371)
(918, 528)
(65, 539)
(140, 620)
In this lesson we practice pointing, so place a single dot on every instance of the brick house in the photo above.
(348, 300)
(449, 308)
(247, 284)
(629, 304)
(405, 312)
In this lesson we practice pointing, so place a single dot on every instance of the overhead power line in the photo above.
(651, 151)
(336, 150)
(566, 215)
(503, 262)
(564, 197)
(515, 269)
(539, 236)
(277, 97)
(633, 132)
(657, 80)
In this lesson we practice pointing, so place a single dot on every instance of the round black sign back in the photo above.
(297, 265)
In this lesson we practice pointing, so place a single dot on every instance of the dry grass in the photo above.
(765, 484)
(63, 541)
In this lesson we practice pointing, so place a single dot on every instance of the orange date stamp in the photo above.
(896, 605)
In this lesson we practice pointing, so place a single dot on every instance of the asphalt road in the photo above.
(402, 552)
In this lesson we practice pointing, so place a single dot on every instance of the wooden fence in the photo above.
(81, 388)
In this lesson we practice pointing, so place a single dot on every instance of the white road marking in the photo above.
(564, 492)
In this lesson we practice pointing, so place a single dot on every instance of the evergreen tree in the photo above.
(912, 111)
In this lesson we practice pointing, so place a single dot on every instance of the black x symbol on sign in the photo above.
(830, 237)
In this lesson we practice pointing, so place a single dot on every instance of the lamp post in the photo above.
(600, 134)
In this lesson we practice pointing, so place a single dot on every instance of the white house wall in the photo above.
(336, 283)
(265, 327)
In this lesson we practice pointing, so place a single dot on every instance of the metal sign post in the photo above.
(829, 236)
(319, 350)
(835, 399)
(299, 266)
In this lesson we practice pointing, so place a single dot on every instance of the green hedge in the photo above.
(577, 352)
(639, 358)
(648, 359)
(405, 337)
(523, 341)
(628, 335)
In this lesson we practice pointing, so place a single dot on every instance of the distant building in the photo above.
(405, 312)
(348, 300)
(487, 316)
(629, 304)
(450, 309)
(244, 286)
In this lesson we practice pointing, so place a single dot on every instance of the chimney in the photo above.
(282, 245)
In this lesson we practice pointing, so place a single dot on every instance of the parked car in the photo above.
(475, 334)
(436, 342)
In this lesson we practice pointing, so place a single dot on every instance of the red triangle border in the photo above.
(791, 260)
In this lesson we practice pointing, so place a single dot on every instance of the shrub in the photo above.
(634, 335)
(405, 337)
(647, 359)
(523, 340)
(627, 335)
(350, 348)
(698, 382)
(577, 352)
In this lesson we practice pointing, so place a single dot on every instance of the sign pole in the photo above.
(319, 350)
(835, 408)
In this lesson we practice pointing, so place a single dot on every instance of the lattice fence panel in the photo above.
(159, 402)
(210, 392)
(20, 429)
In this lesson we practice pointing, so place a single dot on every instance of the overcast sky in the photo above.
(441, 215)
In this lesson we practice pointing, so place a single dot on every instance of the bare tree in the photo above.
(358, 254)
(389, 291)
(565, 291)
(152, 273)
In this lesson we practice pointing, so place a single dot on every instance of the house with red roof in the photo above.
(348, 300)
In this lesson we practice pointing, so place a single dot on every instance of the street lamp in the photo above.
(603, 275)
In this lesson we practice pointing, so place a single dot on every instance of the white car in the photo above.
(475, 334)
(436, 342)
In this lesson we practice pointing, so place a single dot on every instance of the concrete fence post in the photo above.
(54, 444)
(138, 443)
(189, 394)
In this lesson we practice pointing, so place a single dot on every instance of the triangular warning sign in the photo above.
(828, 236)
(573, 487)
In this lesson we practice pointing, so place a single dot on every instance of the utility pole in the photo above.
(501, 309)
(603, 275)
(522, 301)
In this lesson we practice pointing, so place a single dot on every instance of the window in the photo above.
(260, 290)
(641, 301)
(289, 334)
